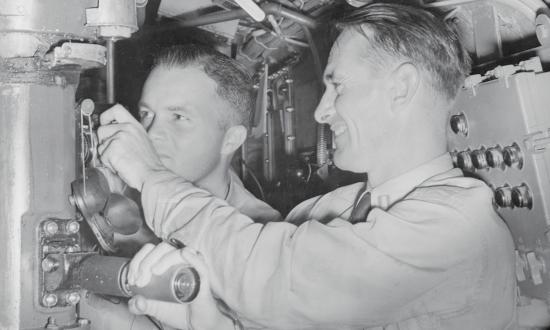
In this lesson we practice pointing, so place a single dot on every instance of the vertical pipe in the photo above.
(269, 141)
(289, 120)
(110, 76)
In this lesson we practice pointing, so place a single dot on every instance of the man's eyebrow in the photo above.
(143, 104)
(181, 108)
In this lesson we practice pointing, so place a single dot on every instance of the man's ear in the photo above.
(404, 82)
(234, 137)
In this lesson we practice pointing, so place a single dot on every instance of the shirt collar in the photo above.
(384, 195)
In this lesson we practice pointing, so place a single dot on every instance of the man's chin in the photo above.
(347, 162)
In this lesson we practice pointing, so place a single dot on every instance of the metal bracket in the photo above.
(537, 142)
(87, 56)
(60, 250)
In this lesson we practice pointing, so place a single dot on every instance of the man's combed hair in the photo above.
(234, 84)
(410, 33)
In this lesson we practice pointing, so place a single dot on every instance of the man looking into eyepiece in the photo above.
(194, 111)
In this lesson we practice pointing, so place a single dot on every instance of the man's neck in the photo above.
(410, 157)
(217, 182)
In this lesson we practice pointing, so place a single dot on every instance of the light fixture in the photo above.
(252, 9)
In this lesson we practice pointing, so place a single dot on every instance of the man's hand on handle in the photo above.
(201, 313)
(125, 148)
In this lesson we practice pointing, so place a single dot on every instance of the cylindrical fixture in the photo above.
(521, 196)
(289, 118)
(494, 157)
(503, 197)
(37, 165)
(479, 159)
(464, 161)
(108, 275)
(512, 156)
(269, 148)
(459, 124)
(110, 74)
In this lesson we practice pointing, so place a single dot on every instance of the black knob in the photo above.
(503, 196)
(459, 124)
(512, 156)
(521, 196)
(494, 157)
(464, 161)
(479, 160)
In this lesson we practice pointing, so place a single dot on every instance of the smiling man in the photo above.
(419, 246)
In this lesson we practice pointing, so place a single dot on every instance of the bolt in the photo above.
(49, 264)
(52, 324)
(72, 298)
(73, 248)
(289, 109)
(50, 227)
(83, 322)
(49, 300)
(59, 80)
(72, 227)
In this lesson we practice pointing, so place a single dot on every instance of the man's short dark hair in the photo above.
(234, 84)
(413, 34)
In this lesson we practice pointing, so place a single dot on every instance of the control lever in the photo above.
(108, 275)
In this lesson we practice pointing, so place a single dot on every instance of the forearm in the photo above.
(280, 275)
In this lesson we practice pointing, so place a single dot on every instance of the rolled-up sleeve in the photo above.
(282, 276)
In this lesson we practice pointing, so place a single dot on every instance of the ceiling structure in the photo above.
(490, 29)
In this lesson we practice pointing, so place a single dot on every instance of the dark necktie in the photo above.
(361, 208)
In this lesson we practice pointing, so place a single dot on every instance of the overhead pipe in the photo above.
(110, 74)
(269, 9)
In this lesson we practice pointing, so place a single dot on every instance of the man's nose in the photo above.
(325, 110)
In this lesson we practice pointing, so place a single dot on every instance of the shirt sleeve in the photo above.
(281, 276)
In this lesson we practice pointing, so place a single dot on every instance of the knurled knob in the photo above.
(503, 197)
(494, 157)
(512, 156)
(521, 196)
(479, 160)
(464, 161)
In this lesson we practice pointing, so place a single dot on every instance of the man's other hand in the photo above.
(201, 313)
(125, 147)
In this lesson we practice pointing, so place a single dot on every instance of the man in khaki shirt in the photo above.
(431, 254)
(195, 107)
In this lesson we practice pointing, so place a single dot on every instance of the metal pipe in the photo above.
(269, 9)
(110, 76)
(289, 117)
(269, 142)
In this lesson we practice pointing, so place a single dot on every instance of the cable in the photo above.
(255, 179)
(155, 322)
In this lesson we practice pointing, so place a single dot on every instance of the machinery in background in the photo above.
(499, 132)
(288, 175)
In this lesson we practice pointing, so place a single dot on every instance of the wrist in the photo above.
(147, 173)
